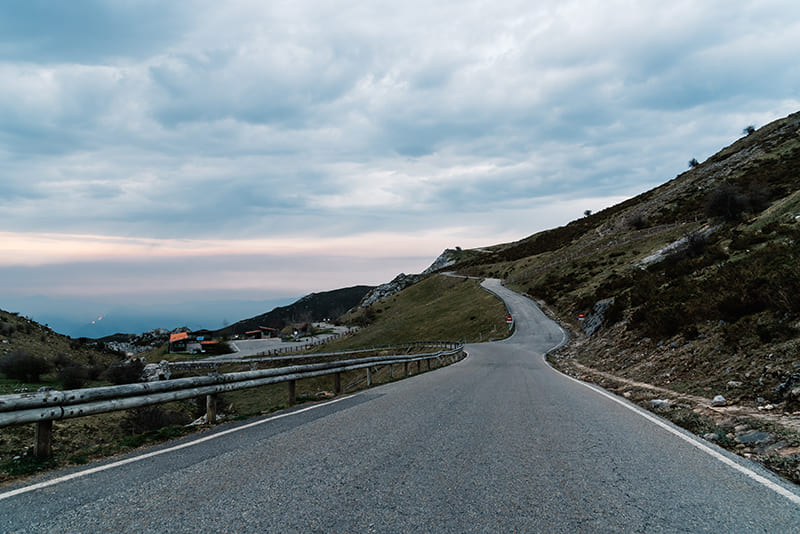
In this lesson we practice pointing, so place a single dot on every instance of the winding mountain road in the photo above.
(496, 443)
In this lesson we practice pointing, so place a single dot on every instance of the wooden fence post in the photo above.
(43, 435)
(211, 409)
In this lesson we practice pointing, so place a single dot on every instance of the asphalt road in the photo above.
(496, 443)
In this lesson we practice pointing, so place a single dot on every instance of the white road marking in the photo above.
(692, 440)
(65, 478)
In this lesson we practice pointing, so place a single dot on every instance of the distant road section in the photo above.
(496, 443)
(253, 347)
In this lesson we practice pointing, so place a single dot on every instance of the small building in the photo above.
(269, 332)
(178, 342)
(254, 334)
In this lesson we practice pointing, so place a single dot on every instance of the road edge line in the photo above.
(688, 438)
(119, 463)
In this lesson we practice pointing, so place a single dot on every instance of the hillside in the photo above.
(23, 337)
(313, 307)
(691, 290)
(435, 308)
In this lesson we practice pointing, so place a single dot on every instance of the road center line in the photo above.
(119, 463)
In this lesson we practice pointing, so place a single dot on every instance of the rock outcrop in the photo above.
(400, 282)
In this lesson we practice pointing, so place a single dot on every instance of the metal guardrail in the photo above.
(44, 407)
(260, 358)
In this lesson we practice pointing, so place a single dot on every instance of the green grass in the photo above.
(26, 465)
(153, 436)
(437, 308)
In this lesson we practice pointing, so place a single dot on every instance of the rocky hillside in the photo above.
(692, 288)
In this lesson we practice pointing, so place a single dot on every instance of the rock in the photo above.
(719, 400)
(627, 394)
(153, 372)
(755, 436)
(660, 403)
(766, 407)
(400, 282)
(446, 259)
(710, 437)
(734, 384)
(595, 319)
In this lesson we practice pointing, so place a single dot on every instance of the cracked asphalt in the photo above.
(498, 442)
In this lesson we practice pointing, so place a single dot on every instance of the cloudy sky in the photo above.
(154, 154)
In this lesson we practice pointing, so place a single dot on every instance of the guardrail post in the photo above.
(211, 409)
(369, 378)
(391, 371)
(42, 447)
(405, 368)
(292, 395)
(337, 383)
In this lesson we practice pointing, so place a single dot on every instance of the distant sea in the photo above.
(99, 318)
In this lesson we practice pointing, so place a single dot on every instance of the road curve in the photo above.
(498, 442)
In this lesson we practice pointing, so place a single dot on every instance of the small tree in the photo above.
(693, 163)
(747, 130)
(587, 213)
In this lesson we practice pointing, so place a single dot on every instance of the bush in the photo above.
(729, 203)
(19, 365)
(726, 202)
(73, 376)
(638, 221)
(125, 372)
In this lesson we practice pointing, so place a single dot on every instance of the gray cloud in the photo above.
(222, 120)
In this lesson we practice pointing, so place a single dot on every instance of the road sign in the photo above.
(509, 319)
(581, 317)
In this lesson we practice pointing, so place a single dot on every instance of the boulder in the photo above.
(719, 400)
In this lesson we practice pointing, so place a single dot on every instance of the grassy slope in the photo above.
(437, 308)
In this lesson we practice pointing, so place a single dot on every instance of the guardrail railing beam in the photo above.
(42, 408)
